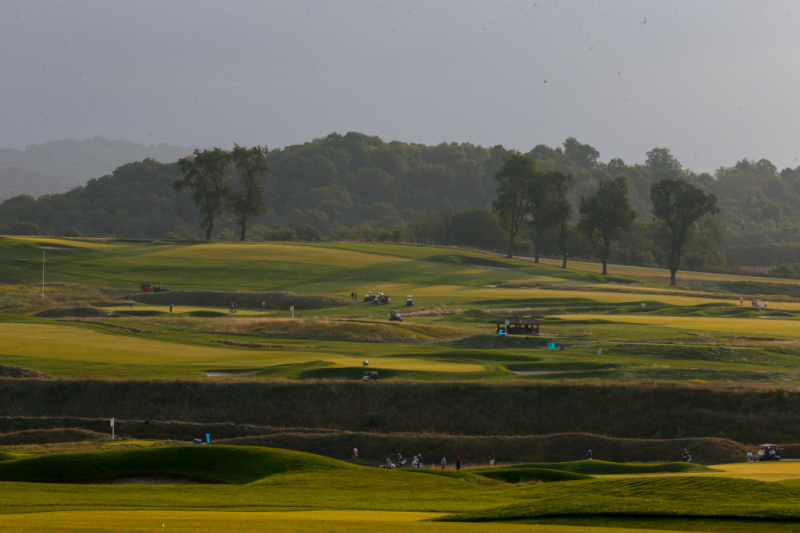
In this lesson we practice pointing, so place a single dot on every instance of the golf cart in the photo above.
(160, 288)
(765, 453)
(394, 316)
(409, 300)
(370, 375)
(382, 299)
(369, 297)
(756, 303)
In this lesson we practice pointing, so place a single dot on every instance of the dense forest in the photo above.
(356, 186)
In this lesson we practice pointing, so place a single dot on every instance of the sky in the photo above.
(714, 81)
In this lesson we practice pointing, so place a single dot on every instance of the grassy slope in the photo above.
(222, 464)
(280, 480)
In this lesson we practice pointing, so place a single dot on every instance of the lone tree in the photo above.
(250, 200)
(562, 210)
(678, 205)
(605, 215)
(204, 174)
(513, 204)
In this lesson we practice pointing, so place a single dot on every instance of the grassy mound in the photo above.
(17, 372)
(677, 498)
(6, 456)
(212, 464)
(49, 436)
(273, 300)
(71, 312)
(521, 474)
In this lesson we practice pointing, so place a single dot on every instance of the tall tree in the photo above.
(562, 210)
(605, 215)
(541, 192)
(251, 169)
(204, 174)
(678, 205)
(513, 203)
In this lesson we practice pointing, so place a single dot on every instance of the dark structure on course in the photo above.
(518, 325)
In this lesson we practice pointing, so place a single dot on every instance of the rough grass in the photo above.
(630, 411)
(17, 372)
(604, 468)
(49, 436)
(273, 300)
(358, 331)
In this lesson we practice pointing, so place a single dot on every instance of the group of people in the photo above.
(417, 461)
(234, 307)
(354, 296)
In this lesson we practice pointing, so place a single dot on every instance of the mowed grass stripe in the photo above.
(87, 345)
(278, 522)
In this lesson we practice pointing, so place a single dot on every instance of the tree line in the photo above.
(359, 186)
(527, 195)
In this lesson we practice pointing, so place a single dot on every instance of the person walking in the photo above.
(170, 307)
(491, 459)
(131, 304)
(355, 455)
(741, 300)
(458, 462)
(589, 455)
(352, 296)
(263, 305)
(444, 463)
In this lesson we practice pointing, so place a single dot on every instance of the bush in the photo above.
(72, 232)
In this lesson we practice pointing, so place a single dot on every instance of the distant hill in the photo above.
(58, 166)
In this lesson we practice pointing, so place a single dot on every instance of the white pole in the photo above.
(112, 429)
(43, 252)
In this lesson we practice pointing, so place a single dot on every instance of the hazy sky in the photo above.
(713, 80)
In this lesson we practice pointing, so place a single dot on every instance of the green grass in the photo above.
(236, 465)
(524, 474)
(602, 468)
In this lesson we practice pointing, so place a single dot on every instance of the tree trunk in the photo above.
(564, 244)
(244, 230)
(672, 274)
(510, 247)
(605, 269)
(536, 251)
(208, 230)
(565, 260)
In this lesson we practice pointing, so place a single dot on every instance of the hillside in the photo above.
(58, 166)
(361, 187)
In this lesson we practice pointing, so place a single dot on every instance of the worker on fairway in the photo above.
(741, 300)
(366, 363)
(444, 463)
(589, 455)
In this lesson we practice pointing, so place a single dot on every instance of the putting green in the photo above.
(82, 344)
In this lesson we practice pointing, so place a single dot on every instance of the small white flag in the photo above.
(112, 422)
(291, 308)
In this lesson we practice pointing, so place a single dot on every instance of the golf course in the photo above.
(242, 376)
